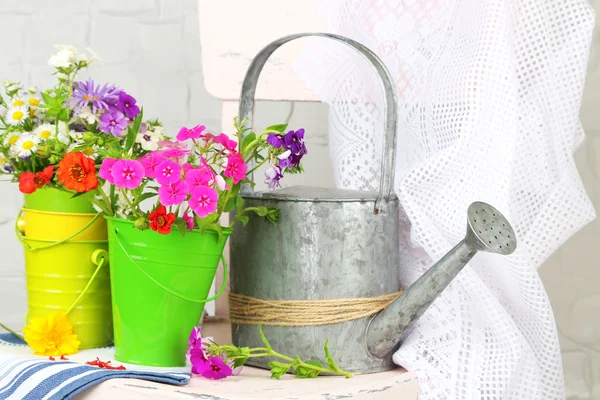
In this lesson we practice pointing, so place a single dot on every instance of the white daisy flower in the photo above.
(16, 115)
(86, 115)
(3, 111)
(45, 131)
(27, 145)
(77, 136)
(62, 135)
(18, 102)
(11, 139)
(66, 57)
(149, 140)
(90, 152)
(33, 100)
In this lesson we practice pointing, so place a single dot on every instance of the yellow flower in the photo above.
(51, 336)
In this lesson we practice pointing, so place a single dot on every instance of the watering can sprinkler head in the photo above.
(487, 230)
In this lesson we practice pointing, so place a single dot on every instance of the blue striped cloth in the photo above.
(27, 377)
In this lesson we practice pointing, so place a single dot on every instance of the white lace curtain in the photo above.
(489, 96)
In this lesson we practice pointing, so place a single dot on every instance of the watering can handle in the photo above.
(388, 160)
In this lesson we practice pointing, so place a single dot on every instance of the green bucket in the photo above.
(159, 286)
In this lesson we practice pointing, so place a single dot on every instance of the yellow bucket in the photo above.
(66, 267)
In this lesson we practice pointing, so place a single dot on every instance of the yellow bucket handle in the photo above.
(55, 243)
(169, 290)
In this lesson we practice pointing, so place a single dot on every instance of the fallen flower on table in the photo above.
(105, 364)
(215, 361)
(51, 336)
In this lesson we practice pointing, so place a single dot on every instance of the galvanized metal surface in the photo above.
(487, 230)
(328, 244)
(354, 254)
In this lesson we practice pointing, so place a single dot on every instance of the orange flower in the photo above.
(77, 172)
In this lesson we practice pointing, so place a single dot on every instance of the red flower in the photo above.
(160, 221)
(30, 182)
(77, 172)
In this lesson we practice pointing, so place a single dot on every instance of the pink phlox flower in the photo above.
(150, 162)
(173, 193)
(199, 177)
(189, 220)
(199, 360)
(175, 153)
(236, 167)
(127, 174)
(168, 172)
(167, 144)
(227, 143)
(203, 200)
(106, 170)
(215, 369)
(186, 167)
(192, 133)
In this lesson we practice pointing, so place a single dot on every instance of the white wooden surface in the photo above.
(254, 383)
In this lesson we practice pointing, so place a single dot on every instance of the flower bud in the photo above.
(141, 223)
(89, 137)
(54, 159)
(100, 141)
(44, 151)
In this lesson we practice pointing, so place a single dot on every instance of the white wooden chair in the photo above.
(231, 33)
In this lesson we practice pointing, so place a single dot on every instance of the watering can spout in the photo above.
(487, 230)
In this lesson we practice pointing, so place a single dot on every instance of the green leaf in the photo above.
(264, 338)
(247, 140)
(230, 204)
(278, 369)
(329, 359)
(134, 130)
(217, 228)
(262, 211)
(302, 371)
(182, 225)
(142, 197)
(204, 222)
(278, 128)
(239, 202)
(243, 219)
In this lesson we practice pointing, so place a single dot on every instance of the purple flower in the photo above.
(294, 141)
(274, 140)
(173, 193)
(113, 122)
(272, 177)
(150, 162)
(100, 98)
(126, 104)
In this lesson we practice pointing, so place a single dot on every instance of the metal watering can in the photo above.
(340, 244)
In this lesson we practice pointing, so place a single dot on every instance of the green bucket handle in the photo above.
(166, 288)
(57, 242)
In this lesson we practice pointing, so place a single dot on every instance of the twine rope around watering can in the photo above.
(253, 311)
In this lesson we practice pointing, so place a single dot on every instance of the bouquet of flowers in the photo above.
(196, 177)
(56, 136)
